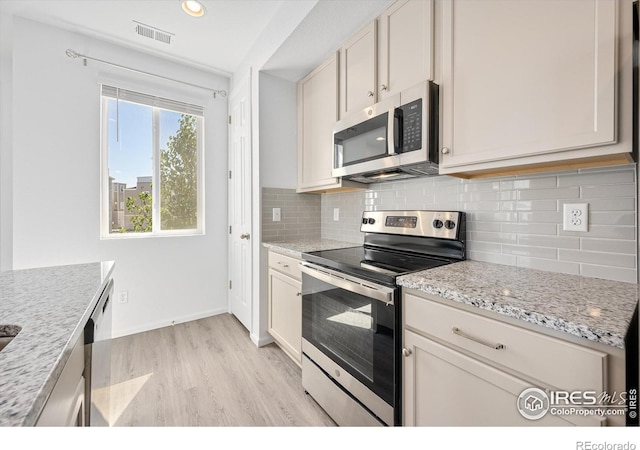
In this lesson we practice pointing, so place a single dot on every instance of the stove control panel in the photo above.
(439, 224)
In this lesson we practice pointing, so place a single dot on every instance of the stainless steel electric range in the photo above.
(351, 339)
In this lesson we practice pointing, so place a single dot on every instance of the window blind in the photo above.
(151, 100)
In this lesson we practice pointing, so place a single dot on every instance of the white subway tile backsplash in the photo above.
(516, 220)
(600, 258)
(609, 273)
(558, 193)
(612, 218)
(608, 245)
(530, 183)
(549, 265)
(529, 228)
(536, 252)
(598, 178)
(549, 241)
(602, 231)
(612, 204)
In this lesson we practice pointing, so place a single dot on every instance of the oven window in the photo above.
(355, 331)
(362, 142)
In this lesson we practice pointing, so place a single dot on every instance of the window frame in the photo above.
(105, 201)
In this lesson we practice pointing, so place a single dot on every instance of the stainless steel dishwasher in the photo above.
(97, 339)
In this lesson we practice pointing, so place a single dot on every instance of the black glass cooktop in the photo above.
(372, 263)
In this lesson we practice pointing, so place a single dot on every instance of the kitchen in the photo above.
(512, 220)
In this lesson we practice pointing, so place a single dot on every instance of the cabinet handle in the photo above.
(383, 87)
(245, 236)
(298, 294)
(286, 266)
(370, 93)
(460, 333)
(406, 352)
(445, 150)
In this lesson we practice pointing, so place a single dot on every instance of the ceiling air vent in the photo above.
(153, 33)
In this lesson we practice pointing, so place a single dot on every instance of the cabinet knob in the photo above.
(298, 294)
(383, 87)
(370, 93)
(445, 150)
(245, 236)
(406, 352)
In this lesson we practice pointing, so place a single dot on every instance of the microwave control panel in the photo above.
(411, 126)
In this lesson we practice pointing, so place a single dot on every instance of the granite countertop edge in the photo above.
(572, 326)
(27, 409)
(297, 247)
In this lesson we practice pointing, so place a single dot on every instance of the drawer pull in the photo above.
(286, 266)
(457, 331)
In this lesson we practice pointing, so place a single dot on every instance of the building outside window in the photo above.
(152, 159)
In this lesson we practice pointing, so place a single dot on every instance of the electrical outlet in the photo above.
(123, 297)
(276, 215)
(575, 217)
(336, 214)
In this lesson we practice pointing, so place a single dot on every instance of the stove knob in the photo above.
(372, 221)
(449, 224)
(365, 221)
(437, 223)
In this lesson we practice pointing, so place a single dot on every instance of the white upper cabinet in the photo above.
(534, 84)
(358, 71)
(390, 54)
(317, 116)
(405, 46)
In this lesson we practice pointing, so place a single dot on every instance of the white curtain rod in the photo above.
(73, 54)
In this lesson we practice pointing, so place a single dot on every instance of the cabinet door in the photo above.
(443, 387)
(285, 312)
(405, 46)
(358, 60)
(317, 116)
(526, 78)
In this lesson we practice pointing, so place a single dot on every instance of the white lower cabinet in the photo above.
(66, 403)
(463, 369)
(285, 304)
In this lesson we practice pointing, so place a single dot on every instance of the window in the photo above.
(152, 159)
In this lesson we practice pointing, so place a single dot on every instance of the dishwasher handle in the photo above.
(98, 312)
(352, 284)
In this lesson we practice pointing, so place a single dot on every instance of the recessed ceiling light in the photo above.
(193, 8)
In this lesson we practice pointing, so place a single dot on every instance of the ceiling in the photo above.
(218, 41)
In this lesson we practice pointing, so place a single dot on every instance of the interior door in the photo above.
(240, 257)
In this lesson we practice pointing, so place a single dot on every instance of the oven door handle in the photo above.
(351, 284)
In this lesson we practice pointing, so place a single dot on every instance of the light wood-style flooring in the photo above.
(207, 373)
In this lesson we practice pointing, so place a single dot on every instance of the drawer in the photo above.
(551, 361)
(285, 264)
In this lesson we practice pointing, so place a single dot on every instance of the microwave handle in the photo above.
(398, 130)
(392, 138)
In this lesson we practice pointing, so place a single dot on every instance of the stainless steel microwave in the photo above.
(394, 139)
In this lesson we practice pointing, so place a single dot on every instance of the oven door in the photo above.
(353, 322)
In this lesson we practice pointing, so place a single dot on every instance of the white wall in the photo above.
(278, 135)
(56, 188)
(6, 163)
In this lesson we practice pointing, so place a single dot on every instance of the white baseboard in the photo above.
(168, 322)
(261, 341)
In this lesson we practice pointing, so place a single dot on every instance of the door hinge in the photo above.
(230, 284)
(229, 120)
(229, 229)
(229, 174)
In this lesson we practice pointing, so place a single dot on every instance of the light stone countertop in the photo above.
(52, 305)
(590, 308)
(296, 247)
